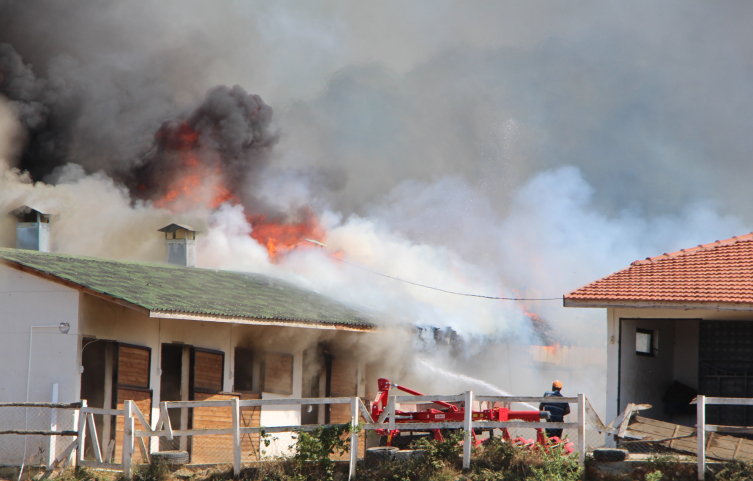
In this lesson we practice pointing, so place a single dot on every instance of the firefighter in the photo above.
(557, 411)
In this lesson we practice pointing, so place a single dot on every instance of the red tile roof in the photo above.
(716, 273)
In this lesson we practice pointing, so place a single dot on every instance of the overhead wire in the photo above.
(436, 288)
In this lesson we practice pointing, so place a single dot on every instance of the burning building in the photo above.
(159, 332)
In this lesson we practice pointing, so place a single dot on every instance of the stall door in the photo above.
(131, 384)
(207, 373)
(725, 369)
(343, 382)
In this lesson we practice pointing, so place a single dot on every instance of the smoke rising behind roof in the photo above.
(478, 147)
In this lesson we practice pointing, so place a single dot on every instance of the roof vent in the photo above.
(32, 229)
(180, 245)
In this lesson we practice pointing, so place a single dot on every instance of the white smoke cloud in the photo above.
(494, 149)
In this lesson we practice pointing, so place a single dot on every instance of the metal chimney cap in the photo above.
(26, 209)
(175, 227)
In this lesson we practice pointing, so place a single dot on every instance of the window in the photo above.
(644, 342)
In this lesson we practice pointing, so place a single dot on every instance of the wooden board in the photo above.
(207, 371)
(133, 366)
(216, 448)
(344, 384)
(142, 399)
(717, 446)
(250, 417)
(278, 373)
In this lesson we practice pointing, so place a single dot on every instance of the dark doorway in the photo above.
(243, 370)
(96, 381)
(313, 363)
(725, 369)
(170, 388)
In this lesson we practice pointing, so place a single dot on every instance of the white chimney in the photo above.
(180, 245)
(32, 229)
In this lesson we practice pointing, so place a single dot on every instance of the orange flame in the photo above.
(282, 237)
(197, 184)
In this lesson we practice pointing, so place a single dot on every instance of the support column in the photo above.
(468, 430)
(701, 430)
(235, 406)
(52, 447)
(128, 426)
(582, 430)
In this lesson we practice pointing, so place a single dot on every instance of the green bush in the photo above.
(735, 471)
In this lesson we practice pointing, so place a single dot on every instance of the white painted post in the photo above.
(468, 428)
(235, 406)
(582, 430)
(81, 432)
(128, 426)
(73, 457)
(52, 448)
(391, 411)
(353, 438)
(701, 431)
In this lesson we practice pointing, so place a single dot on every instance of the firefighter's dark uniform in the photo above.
(557, 412)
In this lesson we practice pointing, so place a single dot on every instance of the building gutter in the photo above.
(648, 304)
(260, 322)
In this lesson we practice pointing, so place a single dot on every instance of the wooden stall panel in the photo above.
(344, 383)
(250, 418)
(143, 399)
(133, 365)
(215, 448)
(278, 373)
(208, 370)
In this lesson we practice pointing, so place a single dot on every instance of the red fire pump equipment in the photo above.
(452, 413)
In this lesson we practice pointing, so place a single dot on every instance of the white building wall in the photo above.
(25, 301)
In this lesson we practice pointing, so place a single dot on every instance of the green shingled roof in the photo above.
(162, 287)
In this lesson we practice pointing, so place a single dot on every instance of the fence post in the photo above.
(127, 438)
(391, 411)
(235, 406)
(582, 430)
(81, 432)
(353, 438)
(701, 432)
(53, 427)
(468, 427)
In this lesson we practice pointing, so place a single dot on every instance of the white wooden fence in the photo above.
(134, 433)
(701, 427)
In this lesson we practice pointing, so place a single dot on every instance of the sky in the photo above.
(494, 148)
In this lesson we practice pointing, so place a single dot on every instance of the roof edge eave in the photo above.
(652, 304)
(253, 321)
(72, 284)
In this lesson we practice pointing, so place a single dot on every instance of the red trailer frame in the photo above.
(453, 413)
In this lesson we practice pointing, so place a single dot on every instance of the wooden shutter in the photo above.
(343, 382)
(278, 373)
(132, 379)
(207, 371)
(133, 365)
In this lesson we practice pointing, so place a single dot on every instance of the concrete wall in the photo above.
(27, 300)
(632, 379)
(644, 378)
